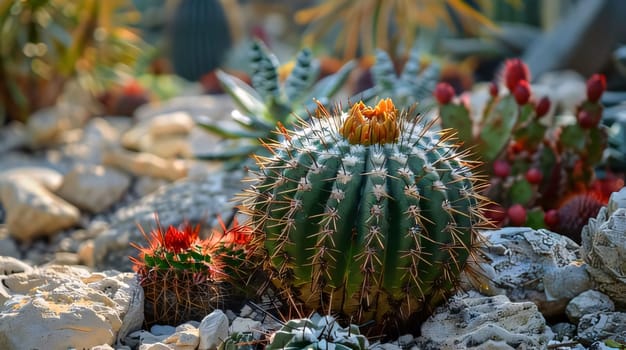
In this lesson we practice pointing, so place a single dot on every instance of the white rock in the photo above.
(46, 126)
(33, 211)
(12, 136)
(147, 184)
(243, 325)
(170, 146)
(8, 247)
(586, 303)
(49, 178)
(158, 329)
(213, 330)
(142, 135)
(146, 164)
(85, 253)
(600, 326)
(9, 266)
(176, 123)
(185, 339)
(97, 136)
(94, 188)
(566, 282)
(604, 248)
(156, 346)
(478, 322)
(522, 257)
(65, 307)
(103, 347)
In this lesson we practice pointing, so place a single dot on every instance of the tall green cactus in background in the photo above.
(270, 102)
(369, 214)
(199, 38)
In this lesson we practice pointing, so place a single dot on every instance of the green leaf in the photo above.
(573, 136)
(331, 84)
(248, 100)
(521, 192)
(457, 117)
(534, 219)
(497, 127)
(597, 144)
(230, 133)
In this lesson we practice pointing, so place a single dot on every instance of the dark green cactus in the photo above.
(368, 214)
(317, 333)
(411, 86)
(199, 38)
(270, 102)
(239, 341)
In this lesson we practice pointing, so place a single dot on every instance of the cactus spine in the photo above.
(368, 214)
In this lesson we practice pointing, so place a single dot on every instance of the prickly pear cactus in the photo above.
(317, 333)
(368, 214)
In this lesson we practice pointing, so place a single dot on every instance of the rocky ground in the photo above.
(73, 190)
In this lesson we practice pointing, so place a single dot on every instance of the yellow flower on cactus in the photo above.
(367, 126)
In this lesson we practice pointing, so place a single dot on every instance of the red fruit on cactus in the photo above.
(515, 70)
(542, 107)
(133, 88)
(522, 92)
(534, 176)
(551, 218)
(493, 89)
(588, 119)
(495, 213)
(444, 93)
(517, 215)
(596, 85)
(501, 168)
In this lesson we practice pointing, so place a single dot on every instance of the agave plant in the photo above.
(185, 277)
(411, 86)
(269, 102)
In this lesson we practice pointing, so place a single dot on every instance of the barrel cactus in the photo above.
(368, 214)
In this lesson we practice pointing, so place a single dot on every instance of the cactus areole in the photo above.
(366, 214)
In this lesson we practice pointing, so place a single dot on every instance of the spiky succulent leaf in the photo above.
(264, 67)
(302, 76)
(328, 86)
(246, 98)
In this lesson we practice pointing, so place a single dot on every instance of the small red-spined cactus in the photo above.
(444, 93)
(184, 277)
(515, 70)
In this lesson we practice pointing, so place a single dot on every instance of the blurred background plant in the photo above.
(45, 43)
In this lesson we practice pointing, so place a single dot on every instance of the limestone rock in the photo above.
(212, 106)
(49, 178)
(64, 307)
(604, 248)
(98, 135)
(600, 326)
(479, 322)
(213, 330)
(243, 325)
(522, 257)
(146, 164)
(155, 134)
(12, 136)
(586, 303)
(32, 211)
(46, 126)
(196, 200)
(94, 188)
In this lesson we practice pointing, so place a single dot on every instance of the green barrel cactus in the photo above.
(367, 214)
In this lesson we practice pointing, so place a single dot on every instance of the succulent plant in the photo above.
(411, 86)
(270, 102)
(368, 214)
(185, 277)
(238, 341)
(534, 161)
(317, 333)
